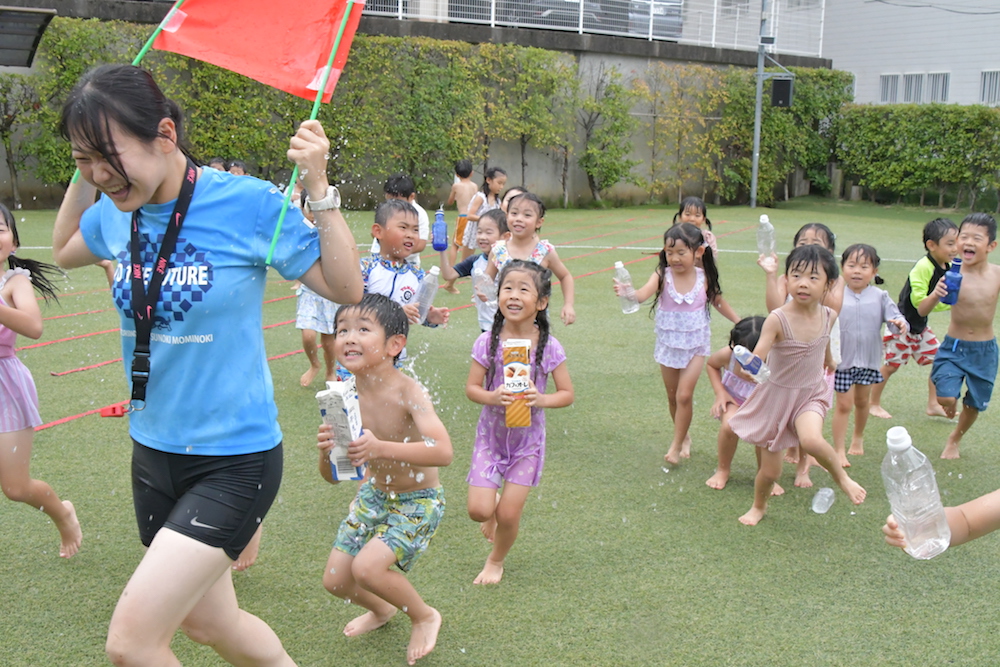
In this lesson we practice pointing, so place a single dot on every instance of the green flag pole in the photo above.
(312, 116)
(142, 53)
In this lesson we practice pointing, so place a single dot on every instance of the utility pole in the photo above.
(766, 39)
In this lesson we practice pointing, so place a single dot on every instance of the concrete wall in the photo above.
(870, 39)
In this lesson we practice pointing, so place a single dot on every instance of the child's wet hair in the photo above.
(383, 310)
(696, 203)
(831, 238)
(533, 198)
(125, 94)
(489, 175)
(981, 220)
(690, 236)
(810, 257)
(463, 168)
(42, 274)
(863, 251)
(399, 185)
(937, 229)
(746, 332)
(390, 207)
(542, 279)
(498, 217)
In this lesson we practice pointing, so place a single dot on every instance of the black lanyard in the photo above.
(143, 299)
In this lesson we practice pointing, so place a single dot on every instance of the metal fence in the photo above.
(735, 24)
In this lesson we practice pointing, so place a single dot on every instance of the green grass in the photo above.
(618, 562)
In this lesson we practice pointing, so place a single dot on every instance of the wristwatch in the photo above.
(331, 201)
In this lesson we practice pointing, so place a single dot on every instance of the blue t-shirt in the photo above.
(209, 390)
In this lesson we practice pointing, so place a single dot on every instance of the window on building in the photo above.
(913, 88)
(989, 88)
(937, 87)
(888, 87)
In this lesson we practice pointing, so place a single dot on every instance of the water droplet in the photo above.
(960, 475)
(624, 519)
(419, 477)
(403, 609)
(333, 571)
(553, 504)
(462, 650)
(664, 469)
(430, 442)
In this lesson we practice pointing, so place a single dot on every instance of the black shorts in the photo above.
(216, 500)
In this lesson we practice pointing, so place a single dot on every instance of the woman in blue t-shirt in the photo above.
(191, 247)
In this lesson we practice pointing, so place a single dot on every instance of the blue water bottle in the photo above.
(439, 234)
(952, 282)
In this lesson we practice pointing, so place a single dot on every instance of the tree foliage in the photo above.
(605, 120)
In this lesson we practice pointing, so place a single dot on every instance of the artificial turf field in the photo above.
(620, 560)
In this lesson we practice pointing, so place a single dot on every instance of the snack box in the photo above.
(338, 404)
(516, 374)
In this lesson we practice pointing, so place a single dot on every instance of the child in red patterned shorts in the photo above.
(940, 239)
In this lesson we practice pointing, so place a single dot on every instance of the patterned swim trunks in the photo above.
(405, 522)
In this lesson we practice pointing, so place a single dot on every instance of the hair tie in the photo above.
(879, 280)
(704, 244)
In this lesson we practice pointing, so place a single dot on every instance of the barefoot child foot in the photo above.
(718, 480)
(423, 637)
(686, 447)
(673, 456)
(309, 376)
(778, 490)
(880, 412)
(857, 448)
(365, 623)
(491, 573)
(249, 555)
(855, 492)
(753, 517)
(69, 531)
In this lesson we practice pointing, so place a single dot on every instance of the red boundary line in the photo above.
(86, 312)
(85, 368)
(63, 340)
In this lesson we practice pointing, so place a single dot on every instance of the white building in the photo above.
(924, 51)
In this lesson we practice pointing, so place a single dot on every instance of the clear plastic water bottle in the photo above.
(483, 284)
(835, 343)
(439, 233)
(626, 290)
(953, 281)
(752, 364)
(425, 295)
(913, 495)
(765, 237)
(823, 500)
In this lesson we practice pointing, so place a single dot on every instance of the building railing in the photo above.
(733, 24)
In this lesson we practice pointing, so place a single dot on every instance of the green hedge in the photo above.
(418, 104)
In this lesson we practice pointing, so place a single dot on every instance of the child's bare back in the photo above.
(462, 193)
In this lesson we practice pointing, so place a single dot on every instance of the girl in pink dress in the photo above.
(19, 416)
(503, 455)
(790, 407)
(683, 293)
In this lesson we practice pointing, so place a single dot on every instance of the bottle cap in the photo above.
(435, 271)
(957, 261)
(897, 439)
(619, 265)
(764, 219)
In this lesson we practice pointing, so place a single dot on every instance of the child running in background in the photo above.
(314, 314)
(915, 302)
(510, 194)
(486, 199)
(683, 294)
(789, 408)
(969, 352)
(398, 507)
(692, 210)
(525, 216)
(732, 387)
(492, 228)
(508, 456)
(462, 192)
(19, 314)
(864, 309)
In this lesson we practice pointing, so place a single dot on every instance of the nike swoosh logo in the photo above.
(199, 524)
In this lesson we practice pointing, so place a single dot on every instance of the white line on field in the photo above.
(744, 252)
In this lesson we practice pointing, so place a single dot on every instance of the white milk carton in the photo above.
(338, 404)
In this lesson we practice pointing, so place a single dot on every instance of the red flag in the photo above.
(286, 46)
